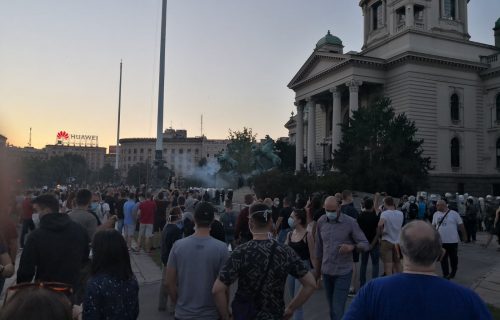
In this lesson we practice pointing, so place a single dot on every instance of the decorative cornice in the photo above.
(490, 73)
(427, 58)
(351, 60)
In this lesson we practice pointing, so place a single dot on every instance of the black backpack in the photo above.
(412, 211)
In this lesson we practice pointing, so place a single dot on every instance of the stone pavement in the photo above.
(489, 287)
(478, 268)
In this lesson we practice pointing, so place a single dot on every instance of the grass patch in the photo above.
(495, 312)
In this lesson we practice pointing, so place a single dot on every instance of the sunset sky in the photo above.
(228, 60)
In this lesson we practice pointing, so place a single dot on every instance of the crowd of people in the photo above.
(76, 244)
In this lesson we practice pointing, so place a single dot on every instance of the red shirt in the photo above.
(148, 209)
(27, 209)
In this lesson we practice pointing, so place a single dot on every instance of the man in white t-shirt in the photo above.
(390, 224)
(447, 222)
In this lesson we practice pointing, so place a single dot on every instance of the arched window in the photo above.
(455, 152)
(498, 153)
(498, 107)
(455, 107)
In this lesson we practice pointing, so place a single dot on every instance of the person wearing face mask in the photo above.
(81, 213)
(261, 266)
(300, 240)
(337, 236)
(172, 232)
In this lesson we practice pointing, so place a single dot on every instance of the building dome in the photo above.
(330, 39)
(497, 24)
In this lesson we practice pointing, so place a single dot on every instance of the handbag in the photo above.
(244, 307)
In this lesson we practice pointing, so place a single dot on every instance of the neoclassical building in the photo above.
(417, 53)
(181, 153)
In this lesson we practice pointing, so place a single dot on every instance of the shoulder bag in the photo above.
(244, 307)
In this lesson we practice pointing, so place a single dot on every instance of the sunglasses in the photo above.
(57, 287)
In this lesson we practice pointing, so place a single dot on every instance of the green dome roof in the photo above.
(329, 39)
(497, 24)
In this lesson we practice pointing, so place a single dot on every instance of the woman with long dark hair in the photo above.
(112, 290)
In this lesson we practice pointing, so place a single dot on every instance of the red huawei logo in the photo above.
(62, 135)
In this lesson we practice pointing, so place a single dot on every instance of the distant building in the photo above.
(21, 153)
(181, 153)
(110, 157)
(94, 156)
(417, 53)
(3, 141)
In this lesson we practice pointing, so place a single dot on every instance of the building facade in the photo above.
(94, 156)
(181, 153)
(418, 54)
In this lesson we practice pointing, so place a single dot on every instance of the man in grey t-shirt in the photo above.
(193, 266)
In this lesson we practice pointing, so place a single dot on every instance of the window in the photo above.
(498, 153)
(142, 150)
(455, 152)
(498, 107)
(378, 15)
(181, 151)
(450, 9)
(455, 107)
(135, 150)
(196, 151)
(418, 13)
(172, 151)
(401, 16)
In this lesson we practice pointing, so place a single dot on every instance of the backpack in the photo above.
(412, 211)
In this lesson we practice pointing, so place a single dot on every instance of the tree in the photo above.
(64, 169)
(139, 173)
(240, 149)
(379, 151)
(107, 174)
(286, 152)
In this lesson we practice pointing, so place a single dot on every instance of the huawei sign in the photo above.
(62, 135)
(65, 138)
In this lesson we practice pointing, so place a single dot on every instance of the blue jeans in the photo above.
(119, 226)
(374, 255)
(282, 235)
(294, 286)
(337, 289)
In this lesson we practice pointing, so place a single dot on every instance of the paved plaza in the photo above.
(478, 268)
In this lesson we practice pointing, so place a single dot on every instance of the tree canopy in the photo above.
(240, 150)
(379, 151)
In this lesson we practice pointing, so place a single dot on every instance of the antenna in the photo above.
(201, 125)
(29, 143)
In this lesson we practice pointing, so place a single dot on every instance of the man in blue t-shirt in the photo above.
(417, 293)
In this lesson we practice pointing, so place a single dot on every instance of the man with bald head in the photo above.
(447, 222)
(417, 293)
(337, 237)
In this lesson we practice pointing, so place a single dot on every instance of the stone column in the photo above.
(353, 95)
(311, 133)
(336, 118)
(299, 137)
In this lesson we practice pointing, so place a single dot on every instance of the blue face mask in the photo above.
(93, 206)
(291, 222)
(332, 215)
(180, 225)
